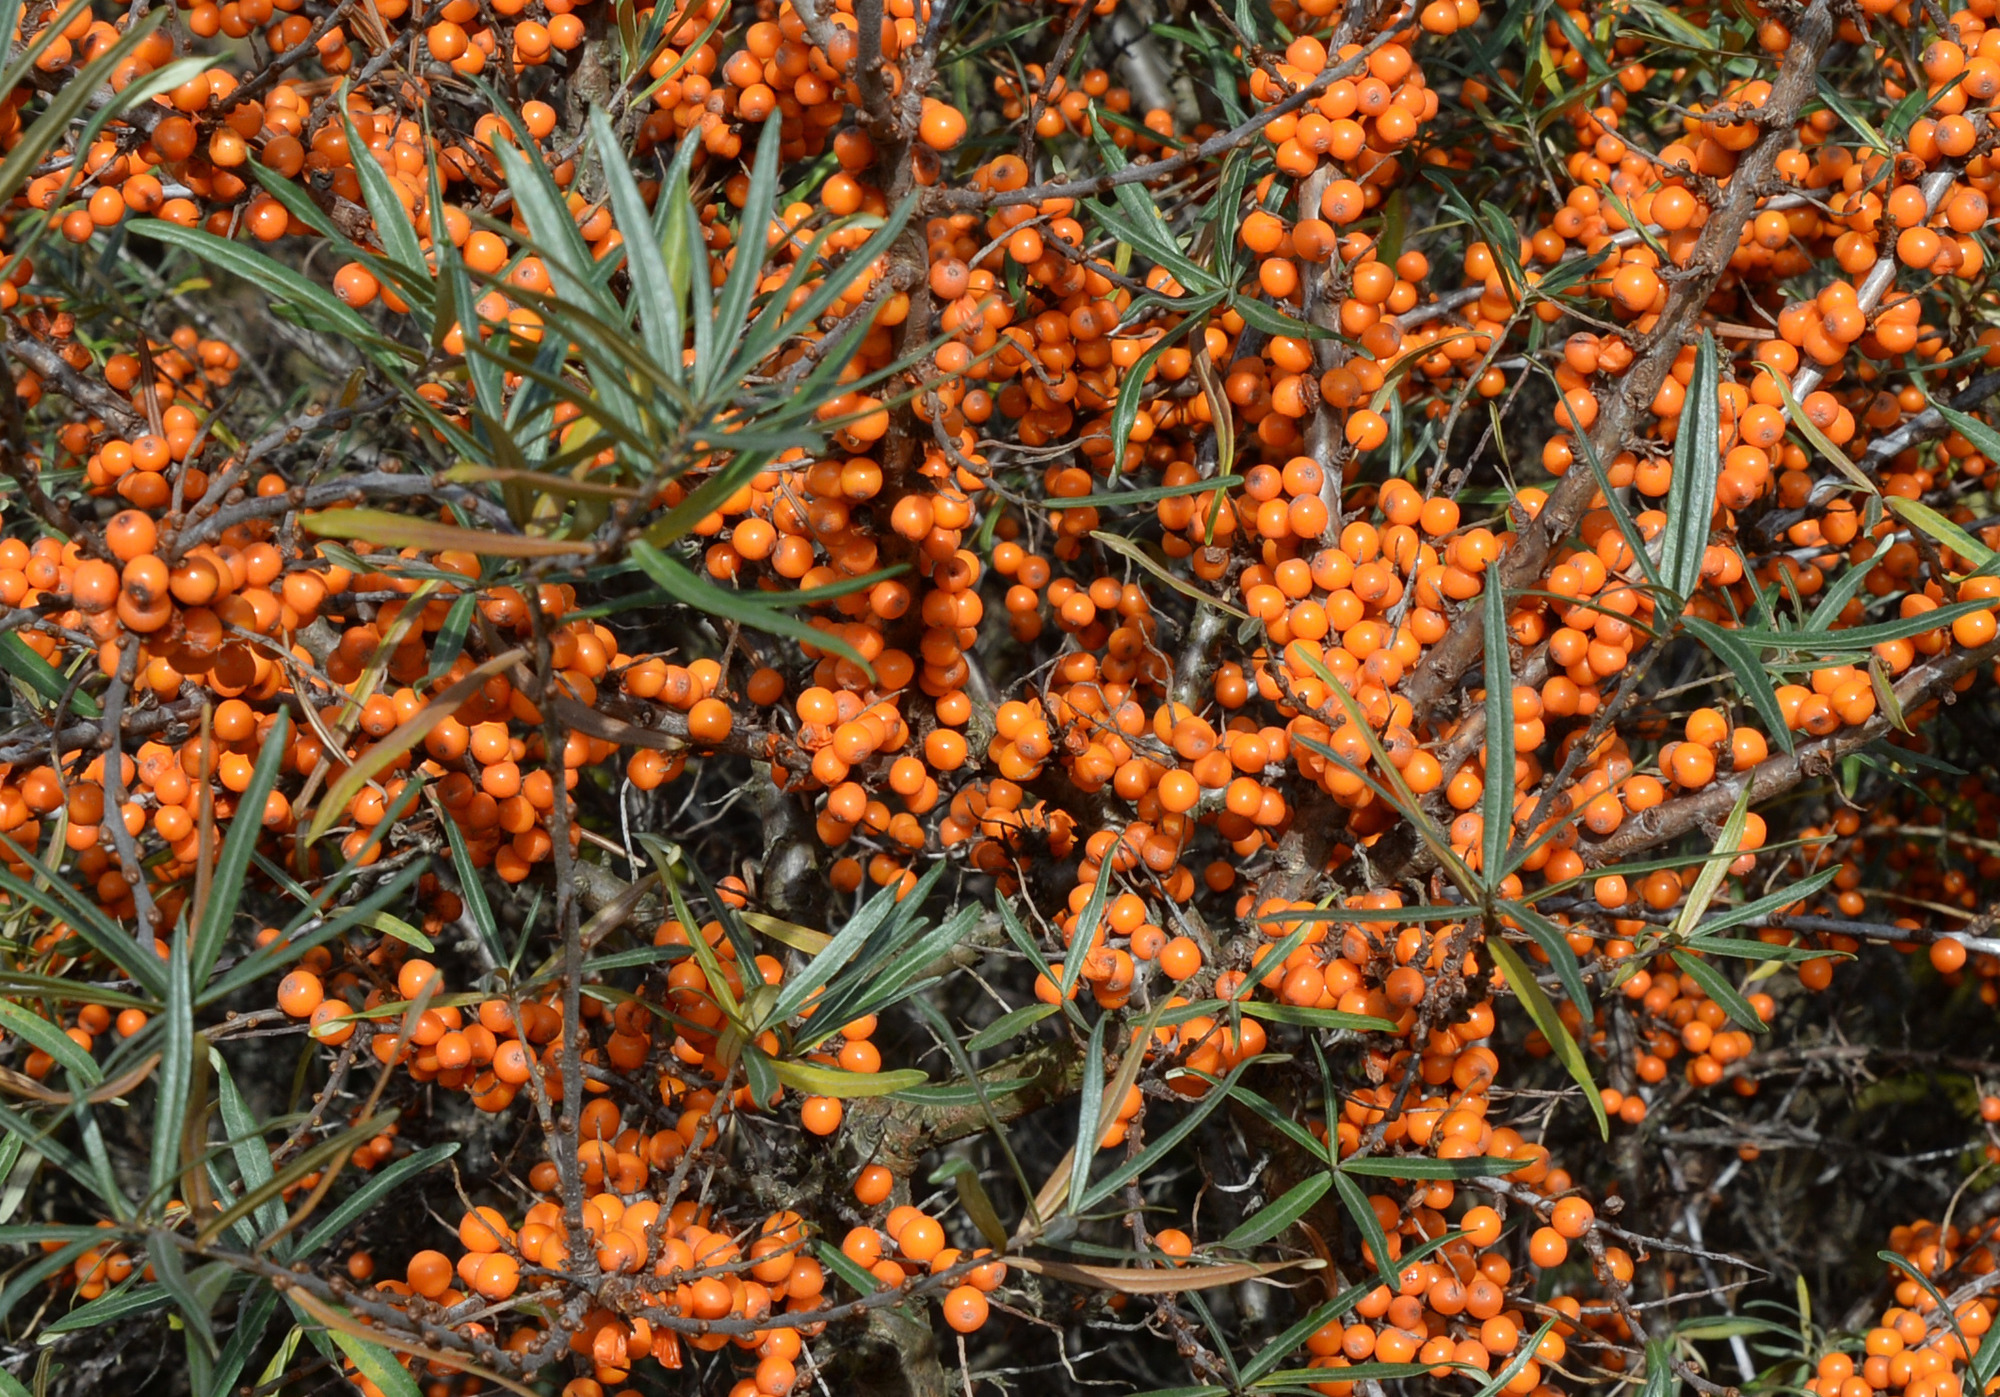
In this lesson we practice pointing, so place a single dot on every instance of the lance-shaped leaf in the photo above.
(377, 759)
(1542, 1010)
(815, 1080)
(1697, 464)
(1715, 867)
(1279, 1214)
(1496, 809)
(1717, 987)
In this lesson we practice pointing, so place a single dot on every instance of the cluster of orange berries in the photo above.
(690, 1265)
(1681, 1016)
(1063, 107)
(92, 1022)
(911, 1242)
(100, 1268)
(1917, 1347)
(1925, 876)
(1452, 1306)
(191, 165)
(1343, 583)
(1314, 582)
(497, 1049)
(686, 1270)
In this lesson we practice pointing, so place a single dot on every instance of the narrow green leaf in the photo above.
(55, 896)
(969, 1092)
(449, 643)
(961, 1062)
(1126, 548)
(471, 884)
(1315, 1319)
(745, 608)
(1542, 1010)
(64, 991)
(400, 930)
(732, 309)
(1270, 319)
(1087, 922)
(81, 1066)
(1884, 689)
(176, 1073)
(20, 62)
(1358, 1372)
(822, 285)
(1834, 600)
(972, 1197)
(1726, 1327)
(73, 97)
(392, 222)
(319, 306)
(654, 297)
(837, 1261)
(1009, 1026)
(1984, 438)
(1311, 1145)
(109, 1308)
(684, 247)
(870, 917)
(1131, 392)
(233, 864)
(1423, 1167)
(253, 1159)
(1280, 1213)
(1363, 1212)
(378, 1365)
(1308, 1017)
(171, 1271)
(1151, 495)
(1753, 680)
(1162, 1144)
(1621, 513)
(305, 1162)
(912, 968)
(1924, 519)
(1985, 1365)
(1846, 111)
(306, 931)
(380, 1184)
(1516, 1364)
(29, 1279)
(237, 1353)
(1752, 913)
(19, 659)
(1715, 867)
(40, 1138)
(887, 963)
(1820, 441)
(1555, 944)
(1425, 912)
(1718, 988)
(815, 1080)
(1090, 1101)
(1740, 949)
(1697, 464)
(1855, 641)
(1497, 797)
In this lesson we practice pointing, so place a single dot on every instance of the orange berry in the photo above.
(299, 993)
(965, 1309)
(820, 1115)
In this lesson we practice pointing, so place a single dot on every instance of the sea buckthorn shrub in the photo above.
(885, 696)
